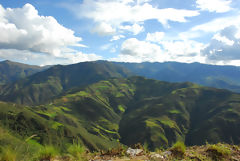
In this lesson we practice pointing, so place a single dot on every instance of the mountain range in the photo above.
(226, 77)
(103, 104)
(12, 71)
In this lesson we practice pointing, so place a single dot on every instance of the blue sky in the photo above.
(64, 32)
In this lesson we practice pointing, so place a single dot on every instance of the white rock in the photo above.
(157, 156)
(133, 152)
(167, 153)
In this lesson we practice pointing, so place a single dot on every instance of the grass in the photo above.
(218, 151)
(76, 151)
(121, 108)
(48, 152)
(174, 112)
(178, 149)
(8, 154)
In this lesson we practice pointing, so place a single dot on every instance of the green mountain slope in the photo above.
(192, 114)
(226, 77)
(12, 71)
(22, 122)
(44, 86)
(129, 111)
(157, 113)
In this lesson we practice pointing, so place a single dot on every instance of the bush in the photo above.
(47, 153)
(178, 149)
(76, 150)
(218, 151)
(8, 154)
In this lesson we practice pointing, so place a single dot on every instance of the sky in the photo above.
(47, 32)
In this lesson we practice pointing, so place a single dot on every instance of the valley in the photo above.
(101, 106)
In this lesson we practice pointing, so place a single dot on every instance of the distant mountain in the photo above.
(12, 71)
(129, 111)
(44, 86)
(226, 77)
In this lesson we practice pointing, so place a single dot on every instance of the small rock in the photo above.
(157, 156)
(167, 153)
(134, 152)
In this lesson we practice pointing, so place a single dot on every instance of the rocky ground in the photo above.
(216, 152)
(195, 153)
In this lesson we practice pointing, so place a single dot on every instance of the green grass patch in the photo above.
(56, 125)
(219, 151)
(169, 123)
(48, 153)
(151, 123)
(174, 112)
(76, 151)
(121, 108)
(8, 154)
(178, 149)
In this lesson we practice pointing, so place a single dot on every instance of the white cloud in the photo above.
(223, 39)
(30, 38)
(25, 56)
(139, 51)
(104, 29)
(224, 47)
(135, 28)
(133, 50)
(211, 28)
(178, 48)
(155, 37)
(24, 29)
(143, 1)
(218, 6)
(80, 57)
(133, 12)
(218, 24)
(117, 37)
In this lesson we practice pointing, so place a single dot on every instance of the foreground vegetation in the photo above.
(77, 152)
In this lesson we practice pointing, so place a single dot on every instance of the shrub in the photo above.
(8, 154)
(76, 150)
(218, 151)
(47, 153)
(178, 149)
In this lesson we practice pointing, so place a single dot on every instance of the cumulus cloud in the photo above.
(155, 37)
(218, 24)
(117, 37)
(218, 6)
(132, 12)
(159, 47)
(134, 50)
(28, 37)
(25, 56)
(224, 46)
(23, 29)
(135, 28)
(142, 50)
(211, 28)
(104, 29)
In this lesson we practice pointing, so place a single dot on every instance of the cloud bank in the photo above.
(116, 13)
(31, 36)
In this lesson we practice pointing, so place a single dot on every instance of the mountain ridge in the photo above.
(12, 71)
(226, 77)
(44, 86)
(137, 110)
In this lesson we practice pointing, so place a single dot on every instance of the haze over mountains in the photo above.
(227, 77)
(103, 104)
